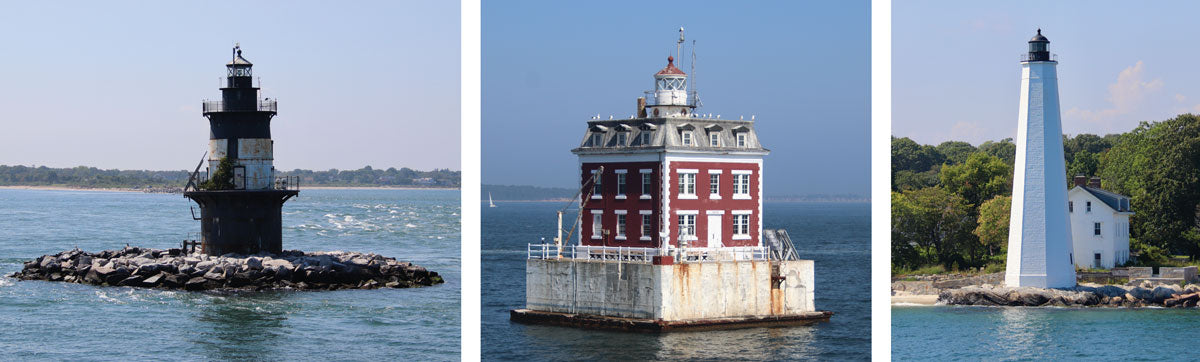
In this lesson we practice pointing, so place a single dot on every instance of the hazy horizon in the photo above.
(118, 85)
(802, 70)
(958, 78)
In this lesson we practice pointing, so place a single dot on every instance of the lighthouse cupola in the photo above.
(670, 91)
(1037, 48)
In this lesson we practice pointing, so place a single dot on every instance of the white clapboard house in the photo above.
(1099, 224)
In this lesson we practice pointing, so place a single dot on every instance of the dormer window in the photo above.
(622, 138)
(686, 137)
(714, 140)
(597, 140)
(645, 138)
(741, 140)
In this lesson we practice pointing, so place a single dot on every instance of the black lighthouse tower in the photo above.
(241, 201)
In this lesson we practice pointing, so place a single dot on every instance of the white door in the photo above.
(714, 231)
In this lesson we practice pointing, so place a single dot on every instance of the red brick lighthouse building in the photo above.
(670, 228)
(669, 176)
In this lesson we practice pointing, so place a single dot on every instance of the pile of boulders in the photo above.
(174, 269)
(1086, 295)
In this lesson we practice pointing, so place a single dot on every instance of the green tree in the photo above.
(908, 155)
(955, 152)
(992, 230)
(1085, 163)
(222, 179)
(1003, 149)
(932, 225)
(979, 179)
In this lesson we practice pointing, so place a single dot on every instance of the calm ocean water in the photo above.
(945, 333)
(59, 321)
(835, 235)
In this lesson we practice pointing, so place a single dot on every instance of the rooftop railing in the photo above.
(263, 105)
(620, 254)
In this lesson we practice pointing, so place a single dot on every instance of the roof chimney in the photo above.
(1094, 182)
(1080, 180)
(641, 107)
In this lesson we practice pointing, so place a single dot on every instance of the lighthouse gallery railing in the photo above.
(261, 105)
(645, 255)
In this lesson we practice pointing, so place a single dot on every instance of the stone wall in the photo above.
(669, 292)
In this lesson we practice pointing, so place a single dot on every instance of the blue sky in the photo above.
(956, 71)
(118, 84)
(801, 67)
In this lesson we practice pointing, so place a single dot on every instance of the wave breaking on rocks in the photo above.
(173, 269)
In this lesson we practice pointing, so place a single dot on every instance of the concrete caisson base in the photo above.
(654, 326)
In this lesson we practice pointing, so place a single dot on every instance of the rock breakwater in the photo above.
(173, 269)
(1163, 295)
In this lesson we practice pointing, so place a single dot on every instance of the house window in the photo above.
(597, 140)
(741, 224)
(646, 184)
(620, 184)
(714, 184)
(687, 225)
(621, 226)
(1089, 206)
(687, 138)
(647, 226)
(596, 189)
(621, 138)
(1096, 229)
(687, 184)
(741, 184)
(741, 140)
(597, 227)
(1070, 206)
(714, 139)
(645, 138)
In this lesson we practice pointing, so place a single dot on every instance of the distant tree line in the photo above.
(951, 202)
(525, 193)
(91, 177)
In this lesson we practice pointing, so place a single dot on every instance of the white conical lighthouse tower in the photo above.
(1039, 233)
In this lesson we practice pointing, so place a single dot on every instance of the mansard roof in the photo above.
(666, 135)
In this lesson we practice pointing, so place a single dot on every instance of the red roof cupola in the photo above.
(670, 69)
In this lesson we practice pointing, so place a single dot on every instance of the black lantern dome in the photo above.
(1037, 48)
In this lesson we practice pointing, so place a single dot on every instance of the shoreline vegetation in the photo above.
(83, 178)
(951, 202)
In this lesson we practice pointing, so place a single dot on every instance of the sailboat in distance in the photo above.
(490, 203)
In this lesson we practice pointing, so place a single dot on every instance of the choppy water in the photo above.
(57, 321)
(946, 333)
(835, 235)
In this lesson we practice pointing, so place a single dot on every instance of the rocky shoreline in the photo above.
(1084, 295)
(173, 269)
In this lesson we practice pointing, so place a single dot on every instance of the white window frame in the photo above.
(1097, 229)
(621, 220)
(740, 214)
(741, 184)
(687, 184)
(597, 224)
(714, 139)
(646, 138)
(685, 137)
(714, 188)
(622, 138)
(597, 140)
(647, 183)
(741, 140)
(621, 186)
(687, 225)
(647, 222)
(597, 188)
(1089, 206)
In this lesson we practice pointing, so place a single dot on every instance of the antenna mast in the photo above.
(695, 90)
(679, 45)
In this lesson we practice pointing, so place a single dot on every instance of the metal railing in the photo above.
(287, 183)
(622, 254)
(219, 106)
(1025, 57)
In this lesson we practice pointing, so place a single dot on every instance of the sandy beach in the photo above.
(66, 188)
(915, 299)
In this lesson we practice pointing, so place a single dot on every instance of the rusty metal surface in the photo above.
(243, 222)
(527, 316)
